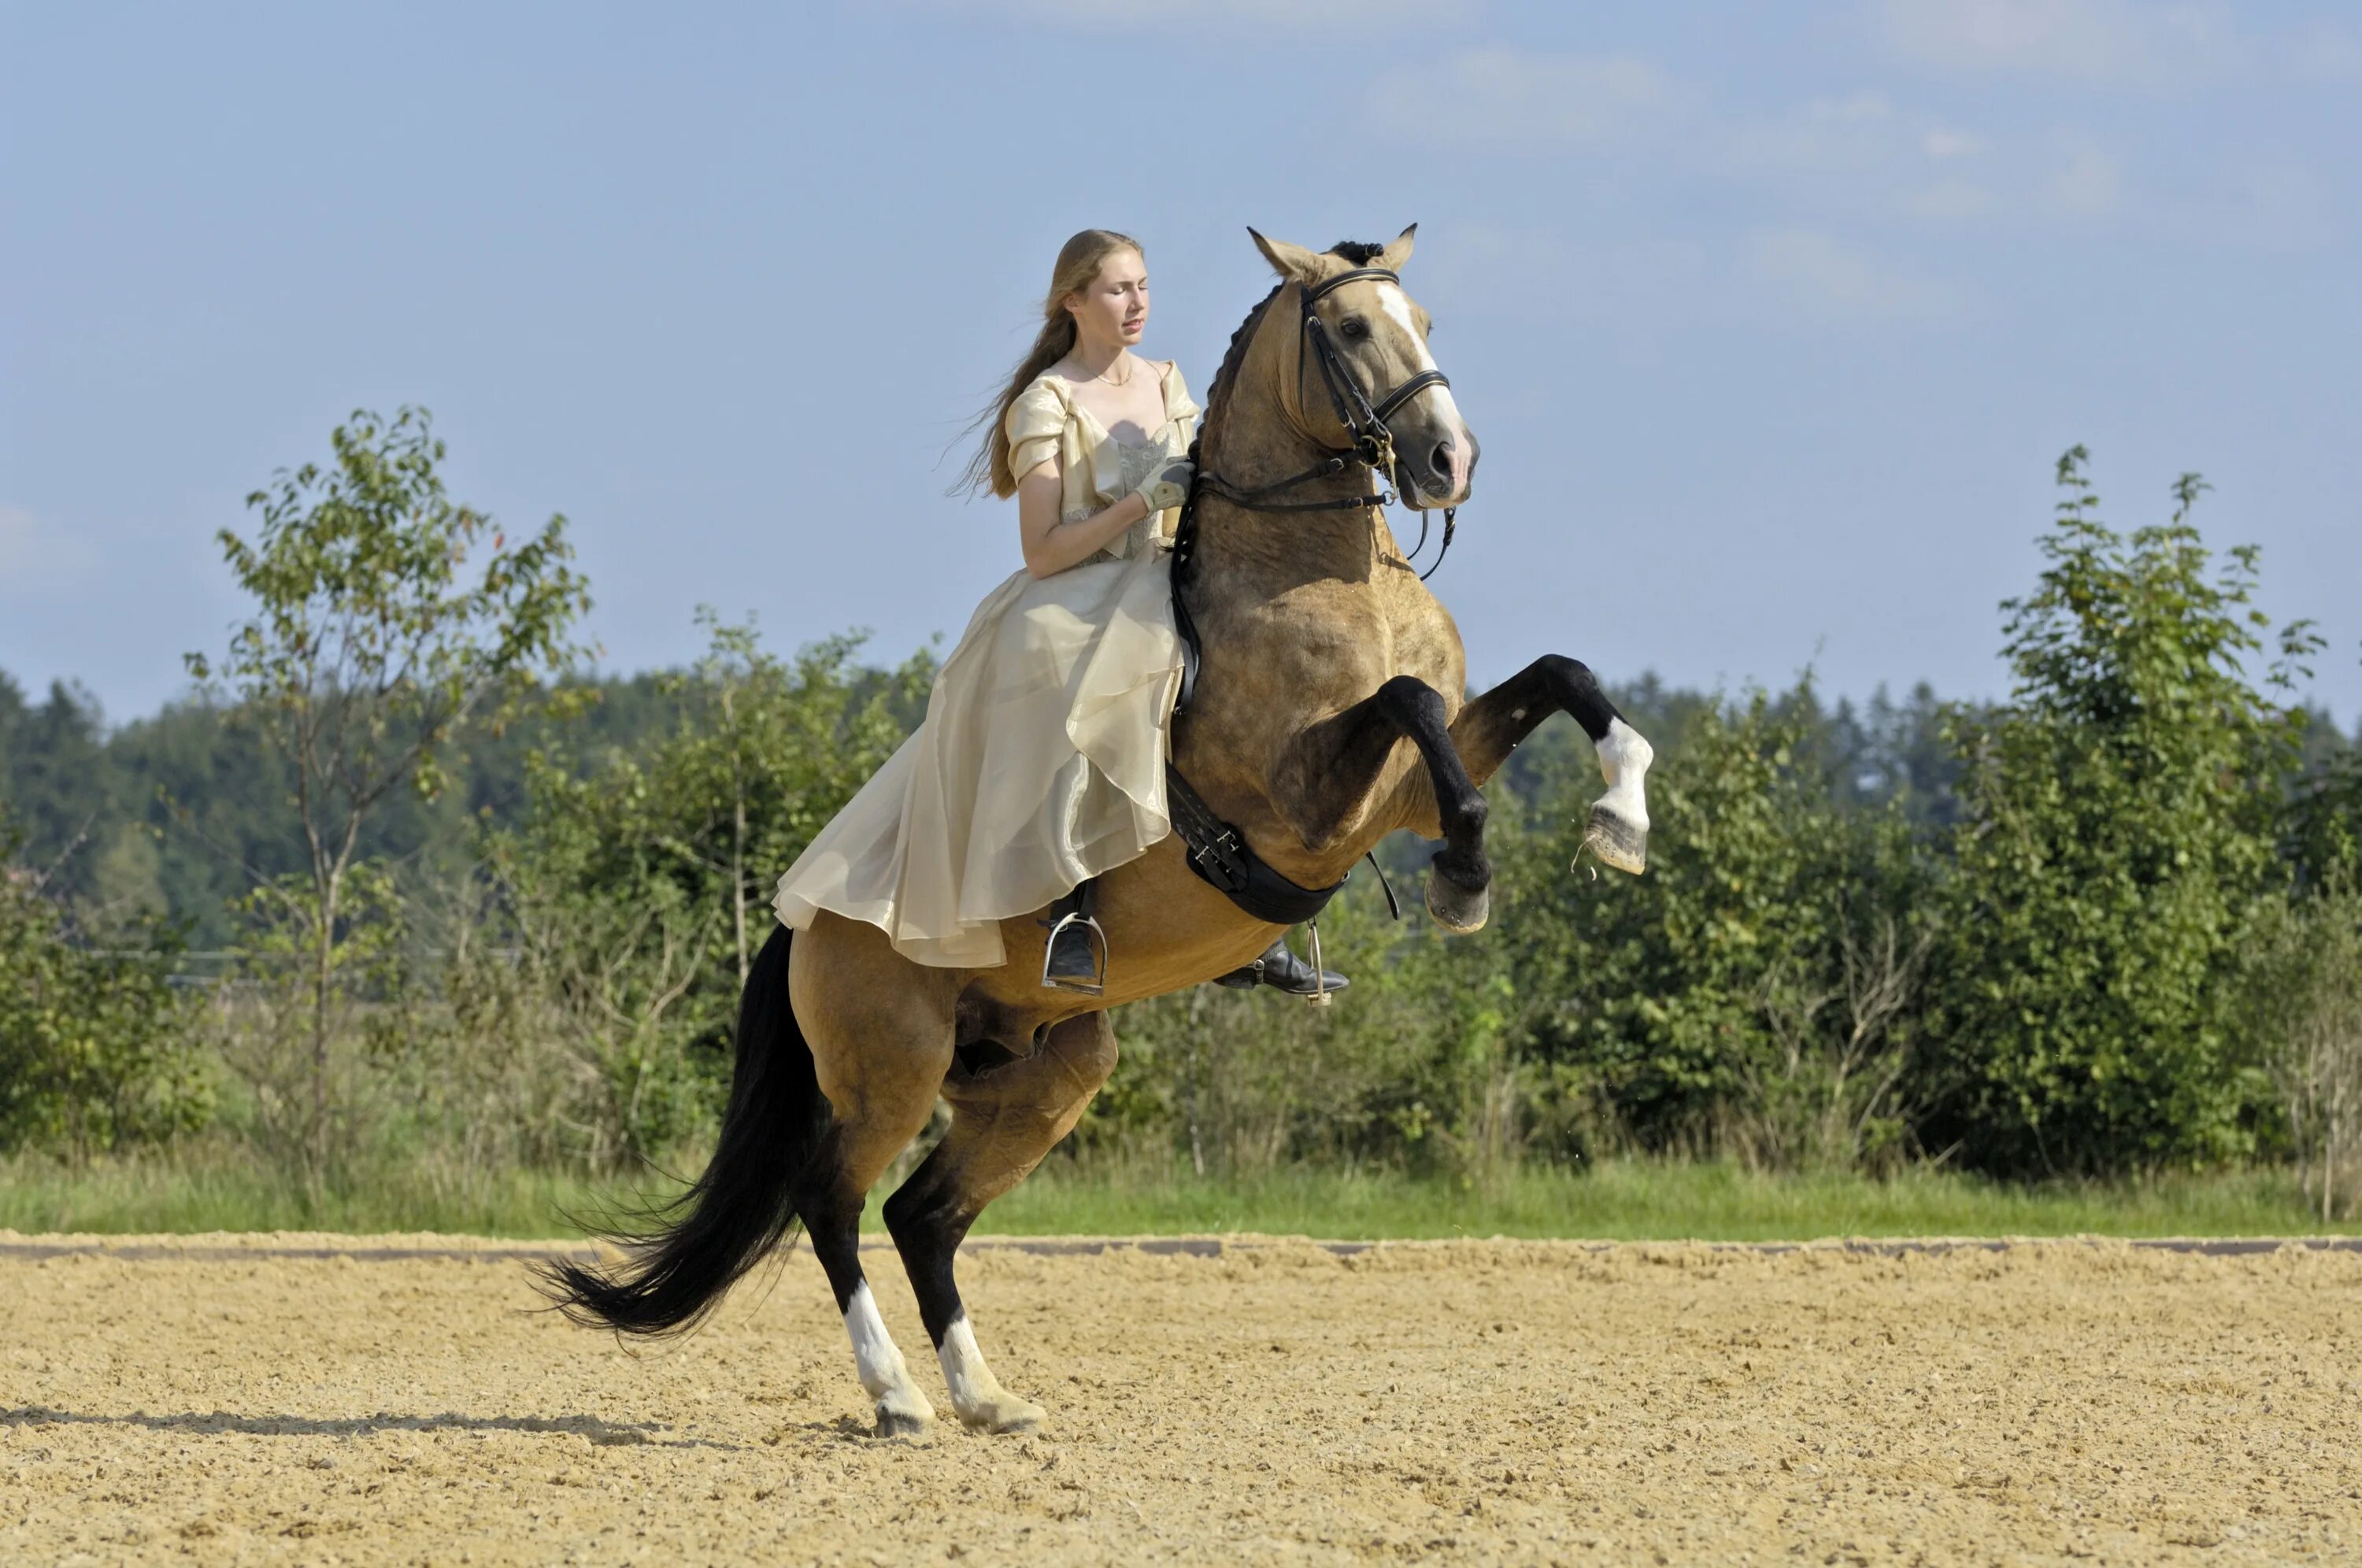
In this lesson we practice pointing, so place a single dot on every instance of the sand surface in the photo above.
(234, 1401)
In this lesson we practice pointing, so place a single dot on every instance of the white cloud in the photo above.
(2110, 41)
(1951, 201)
(1940, 141)
(1628, 289)
(1531, 272)
(1861, 136)
(1811, 272)
(36, 558)
(1508, 99)
(2088, 183)
(1854, 109)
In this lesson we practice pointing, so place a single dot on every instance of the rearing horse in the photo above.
(1326, 714)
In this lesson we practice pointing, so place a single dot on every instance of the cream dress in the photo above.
(1040, 761)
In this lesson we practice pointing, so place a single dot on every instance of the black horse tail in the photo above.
(741, 1208)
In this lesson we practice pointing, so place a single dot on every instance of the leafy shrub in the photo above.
(94, 1046)
(2119, 820)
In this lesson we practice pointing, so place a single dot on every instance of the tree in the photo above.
(2117, 832)
(637, 894)
(94, 1042)
(1757, 991)
(370, 658)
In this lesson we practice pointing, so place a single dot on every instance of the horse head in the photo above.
(1361, 356)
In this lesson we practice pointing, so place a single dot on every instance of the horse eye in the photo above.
(1354, 326)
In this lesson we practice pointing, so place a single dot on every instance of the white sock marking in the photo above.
(1624, 759)
(970, 1380)
(875, 1355)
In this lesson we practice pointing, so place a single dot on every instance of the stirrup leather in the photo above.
(1097, 985)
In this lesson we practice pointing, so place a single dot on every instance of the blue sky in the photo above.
(1771, 319)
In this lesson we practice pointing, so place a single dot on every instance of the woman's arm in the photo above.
(1051, 546)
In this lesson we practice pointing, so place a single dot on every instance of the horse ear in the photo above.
(1290, 261)
(1395, 254)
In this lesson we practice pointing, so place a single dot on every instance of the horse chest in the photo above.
(1338, 641)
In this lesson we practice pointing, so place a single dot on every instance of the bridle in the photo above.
(1370, 442)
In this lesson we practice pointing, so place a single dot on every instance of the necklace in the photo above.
(1125, 382)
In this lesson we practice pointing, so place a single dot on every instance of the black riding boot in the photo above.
(1282, 969)
(1075, 959)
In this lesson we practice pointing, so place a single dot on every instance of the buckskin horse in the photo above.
(1323, 711)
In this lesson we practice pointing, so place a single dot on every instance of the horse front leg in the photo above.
(1335, 768)
(1490, 727)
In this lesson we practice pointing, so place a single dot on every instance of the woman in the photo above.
(1041, 762)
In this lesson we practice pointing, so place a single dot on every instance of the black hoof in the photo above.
(1457, 908)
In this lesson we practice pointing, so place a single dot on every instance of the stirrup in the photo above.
(1097, 985)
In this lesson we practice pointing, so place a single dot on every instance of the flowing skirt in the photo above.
(1041, 762)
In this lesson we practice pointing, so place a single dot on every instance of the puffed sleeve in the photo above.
(1178, 405)
(1034, 425)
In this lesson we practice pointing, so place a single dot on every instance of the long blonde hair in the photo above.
(1079, 262)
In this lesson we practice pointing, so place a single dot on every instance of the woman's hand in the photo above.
(1167, 484)
(1169, 487)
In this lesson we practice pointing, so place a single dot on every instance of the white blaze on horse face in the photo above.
(1396, 305)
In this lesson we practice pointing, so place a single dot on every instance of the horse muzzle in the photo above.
(1439, 472)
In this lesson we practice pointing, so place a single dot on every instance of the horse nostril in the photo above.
(1440, 459)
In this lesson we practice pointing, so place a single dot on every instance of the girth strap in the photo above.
(1219, 855)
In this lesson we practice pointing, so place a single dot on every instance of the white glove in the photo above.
(1169, 486)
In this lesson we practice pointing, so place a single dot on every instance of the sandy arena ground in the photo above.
(229, 1400)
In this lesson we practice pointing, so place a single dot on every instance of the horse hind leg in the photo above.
(882, 1047)
(1003, 1122)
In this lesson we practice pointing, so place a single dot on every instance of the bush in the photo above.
(629, 904)
(94, 1046)
(2118, 828)
(2304, 998)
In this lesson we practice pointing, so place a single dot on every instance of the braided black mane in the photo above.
(1219, 387)
(1356, 252)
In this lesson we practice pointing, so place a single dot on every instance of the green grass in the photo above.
(154, 1196)
(1625, 1200)
(1648, 1200)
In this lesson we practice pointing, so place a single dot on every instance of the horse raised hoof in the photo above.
(1617, 839)
(1456, 908)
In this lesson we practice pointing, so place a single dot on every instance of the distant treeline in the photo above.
(180, 814)
(2108, 923)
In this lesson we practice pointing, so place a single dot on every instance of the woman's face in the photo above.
(1114, 307)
